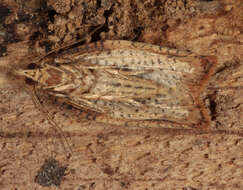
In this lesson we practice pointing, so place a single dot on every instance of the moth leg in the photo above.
(54, 125)
(116, 74)
(84, 104)
(129, 72)
(59, 60)
(115, 99)
(132, 72)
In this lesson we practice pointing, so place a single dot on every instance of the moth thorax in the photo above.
(50, 77)
(86, 79)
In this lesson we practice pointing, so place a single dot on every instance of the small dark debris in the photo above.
(99, 29)
(206, 156)
(69, 107)
(4, 11)
(92, 185)
(44, 7)
(35, 36)
(213, 106)
(32, 66)
(108, 170)
(47, 45)
(51, 173)
(82, 187)
(165, 27)
(51, 15)
(125, 184)
(23, 17)
(44, 26)
(189, 188)
(10, 36)
(30, 81)
(138, 32)
(3, 50)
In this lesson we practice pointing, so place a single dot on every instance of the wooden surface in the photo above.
(116, 157)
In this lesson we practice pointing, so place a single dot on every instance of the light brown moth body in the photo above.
(129, 83)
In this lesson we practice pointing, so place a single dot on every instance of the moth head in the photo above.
(32, 74)
(46, 77)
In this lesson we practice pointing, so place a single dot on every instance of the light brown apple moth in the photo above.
(129, 83)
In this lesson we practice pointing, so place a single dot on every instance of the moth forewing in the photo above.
(129, 81)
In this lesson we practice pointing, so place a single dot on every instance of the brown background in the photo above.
(116, 157)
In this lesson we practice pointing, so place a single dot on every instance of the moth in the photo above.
(129, 83)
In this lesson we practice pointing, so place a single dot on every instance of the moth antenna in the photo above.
(54, 125)
(67, 46)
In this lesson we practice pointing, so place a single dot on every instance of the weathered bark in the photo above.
(117, 157)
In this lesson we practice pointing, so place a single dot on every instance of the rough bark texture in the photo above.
(116, 157)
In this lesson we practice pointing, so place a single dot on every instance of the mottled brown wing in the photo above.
(133, 81)
(180, 74)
